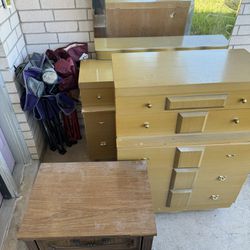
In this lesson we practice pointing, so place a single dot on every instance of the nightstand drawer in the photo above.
(99, 123)
(97, 96)
(167, 123)
(105, 243)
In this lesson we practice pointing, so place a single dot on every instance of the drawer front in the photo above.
(178, 199)
(196, 101)
(211, 197)
(183, 178)
(101, 149)
(99, 123)
(107, 243)
(159, 103)
(97, 97)
(168, 123)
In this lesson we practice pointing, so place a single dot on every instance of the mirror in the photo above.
(143, 18)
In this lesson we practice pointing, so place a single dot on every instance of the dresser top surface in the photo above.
(89, 199)
(94, 71)
(178, 68)
(171, 42)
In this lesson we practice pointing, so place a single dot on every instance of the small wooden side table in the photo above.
(91, 205)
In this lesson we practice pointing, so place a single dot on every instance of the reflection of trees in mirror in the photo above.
(214, 17)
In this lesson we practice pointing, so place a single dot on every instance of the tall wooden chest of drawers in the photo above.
(97, 97)
(188, 114)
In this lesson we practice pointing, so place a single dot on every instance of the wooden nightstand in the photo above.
(82, 206)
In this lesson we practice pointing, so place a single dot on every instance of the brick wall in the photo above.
(241, 32)
(55, 23)
(12, 53)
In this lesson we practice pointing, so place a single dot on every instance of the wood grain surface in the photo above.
(89, 199)
(155, 70)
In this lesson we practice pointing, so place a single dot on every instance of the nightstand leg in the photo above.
(147, 243)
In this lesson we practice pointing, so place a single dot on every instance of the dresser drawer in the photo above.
(97, 96)
(105, 243)
(212, 197)
(99, 123)
(167, 123)
(158, 103)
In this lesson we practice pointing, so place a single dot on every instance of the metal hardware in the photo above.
(149, 105)
(103, 143)
(221, 178)
(172, 15)
(230, 155)
(146, 125)
(236, 120)
(101, 123)
(214, 197)
(243, 100)
(99, 97)
(145, 159)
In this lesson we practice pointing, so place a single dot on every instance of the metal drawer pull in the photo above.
(146, 125)
(230, 155)
(149, 105)
(99, 97)
(145, 159)
(101, 123)
(236, 120)
(172, 15)
(214, 197)
(103, 143)
(221, 178)
(243, 100)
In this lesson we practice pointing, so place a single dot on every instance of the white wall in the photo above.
(12, 53)
(55, 23)
(241, 32)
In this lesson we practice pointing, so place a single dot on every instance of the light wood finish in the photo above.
(196, 101)
(100, 133)
(94, 72)
(97, 97)
(188, 157)
(146, 18)
(191, 122)
(140, 104)
(191, 70)
(183, 178)
(105, 47)
(165, 123)
(215, 161)
(178, 199)
(90, 201)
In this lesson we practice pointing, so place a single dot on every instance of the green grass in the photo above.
(214, 17)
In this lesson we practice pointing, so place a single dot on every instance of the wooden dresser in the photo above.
(133, 18)
(105, 47)
(98, 205)
(97, 97)
(188, 114)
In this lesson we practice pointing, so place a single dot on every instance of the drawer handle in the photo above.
(101, 123)
(243, 100)
(146, 125)
(99, 97)
(230, 155)
(172, 15)
(221, 178)
(144, 159)
(149, 105)
(236, 120)
(103, 143)
(214, 197)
